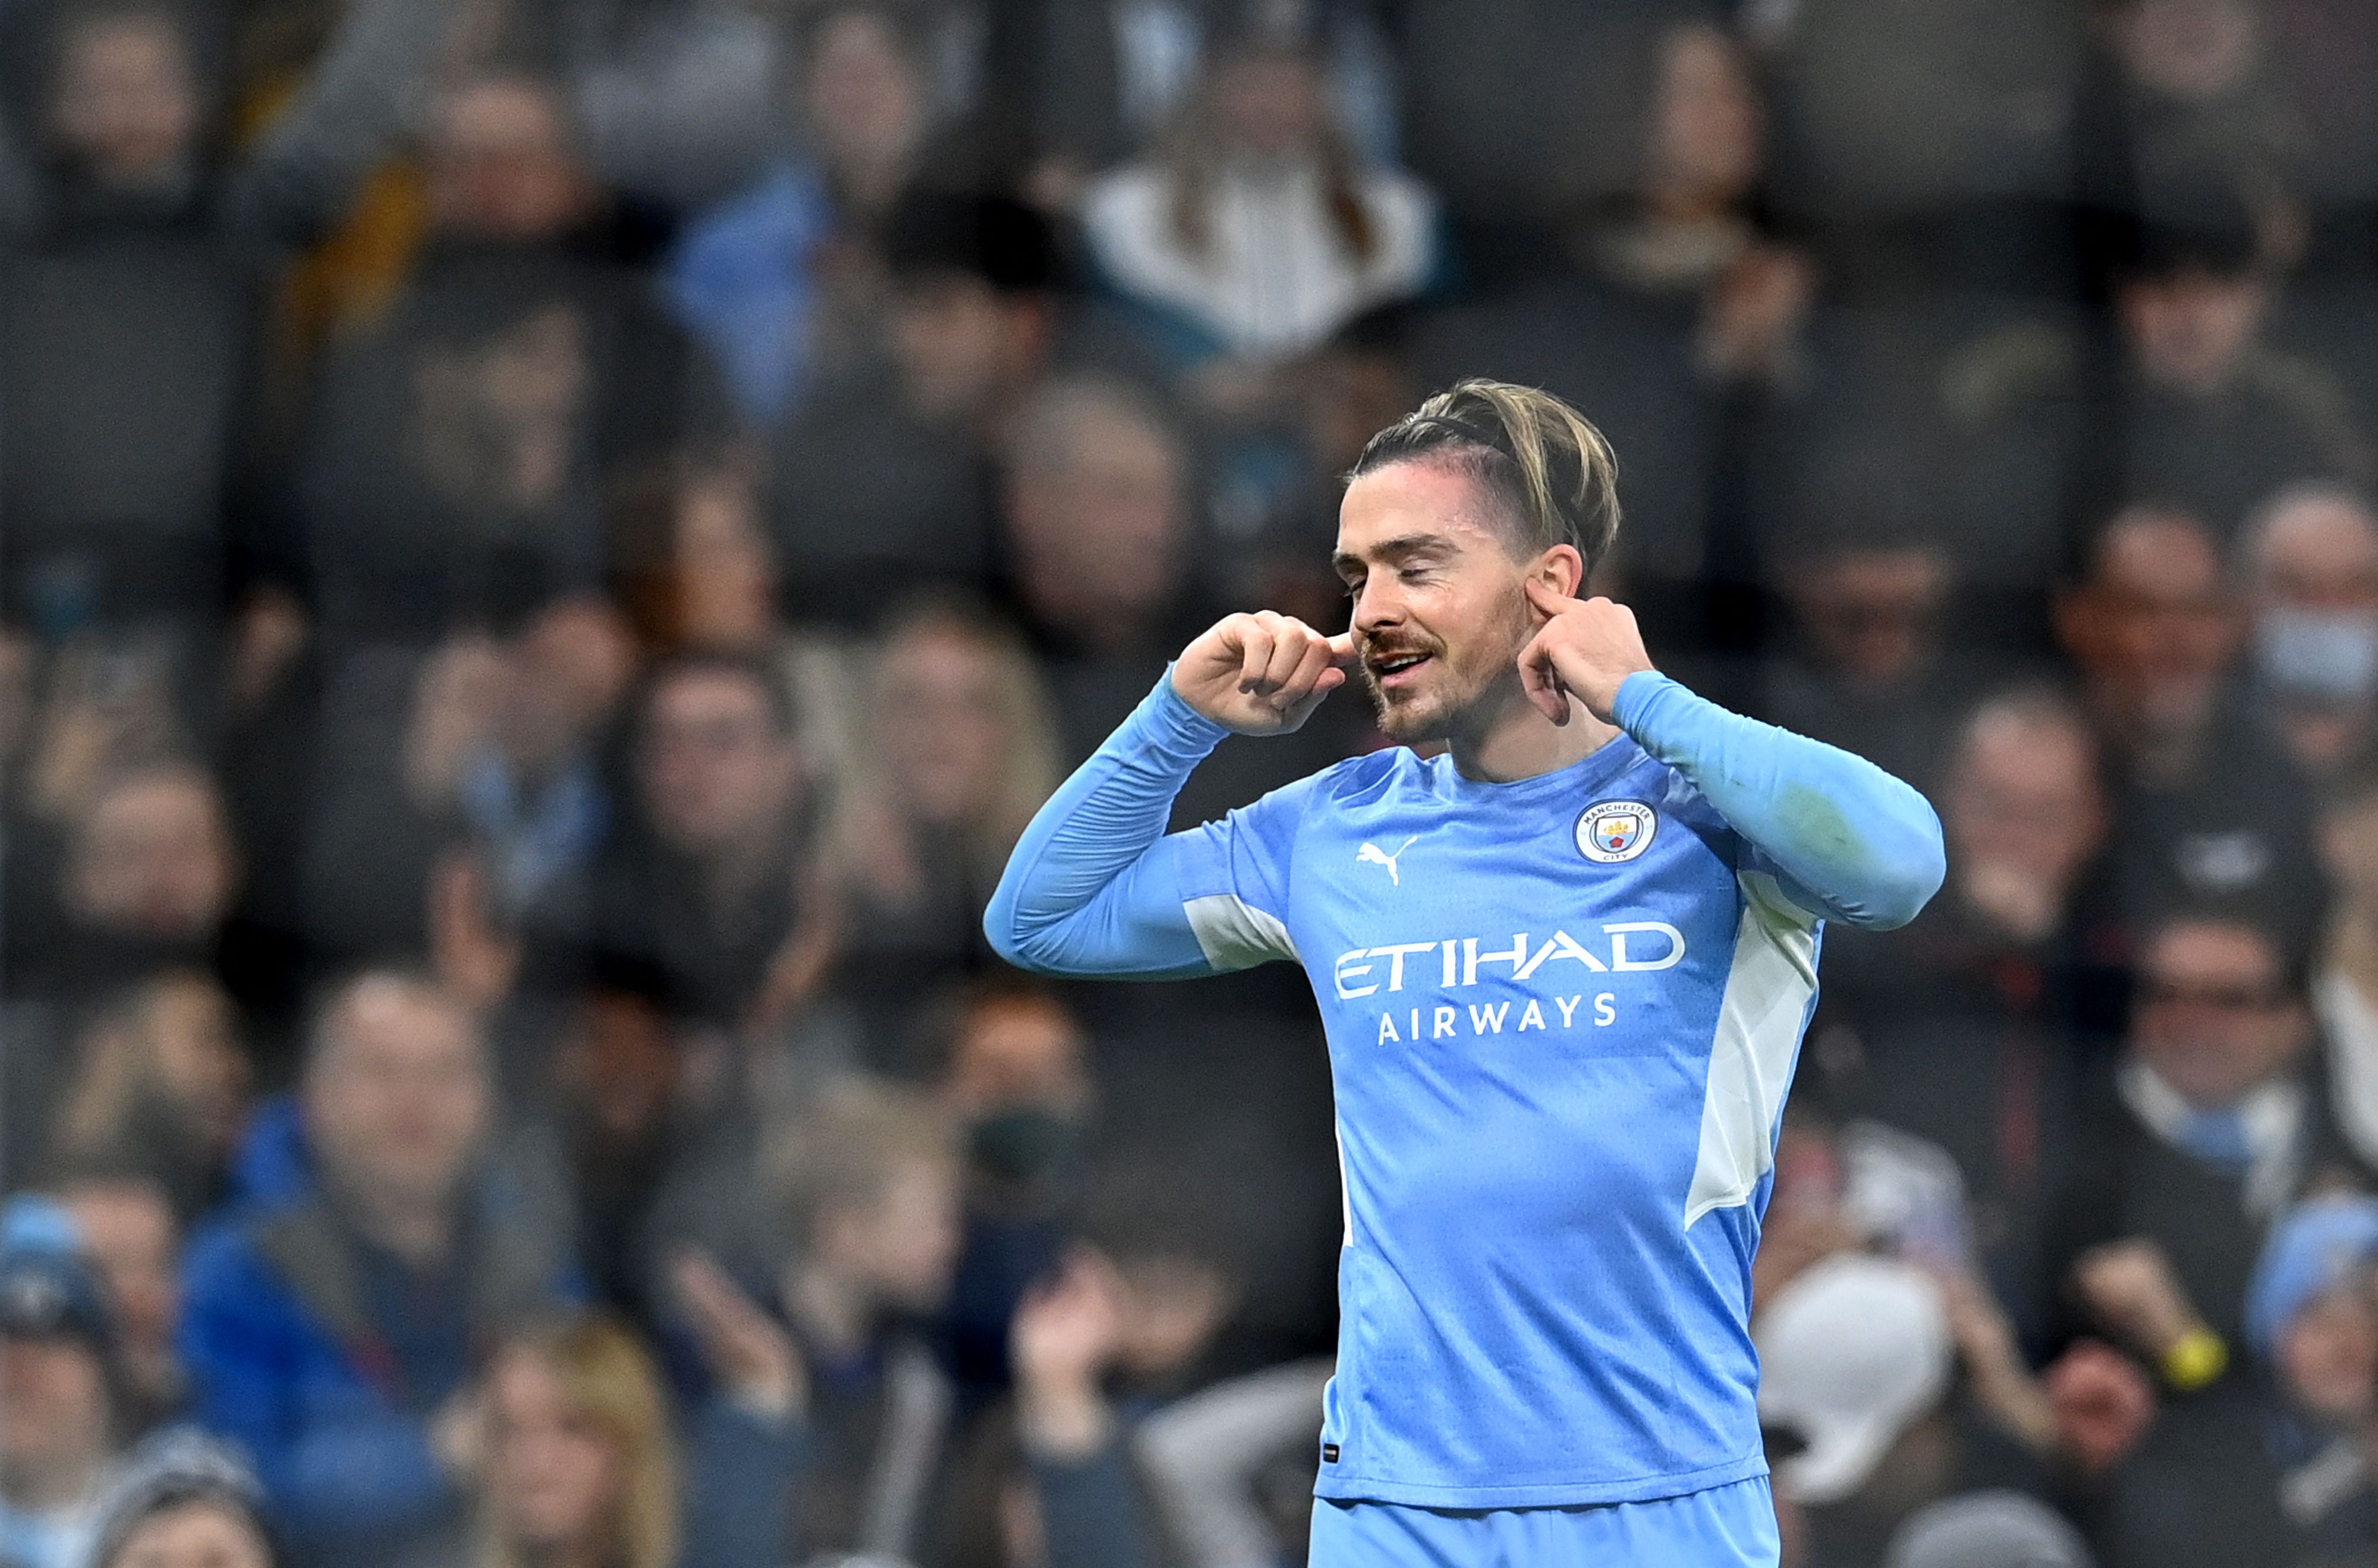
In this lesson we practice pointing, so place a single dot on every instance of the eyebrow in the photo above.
(1390, 551)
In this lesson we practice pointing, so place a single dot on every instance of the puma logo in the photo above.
(1371, 853)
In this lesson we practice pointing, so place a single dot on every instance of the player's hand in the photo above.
(1585, 649)
(1261, 674)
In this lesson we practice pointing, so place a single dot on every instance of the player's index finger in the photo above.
(1341, 648)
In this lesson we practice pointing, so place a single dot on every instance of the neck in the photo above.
(59, 1481)
(731, 876)
(832, 1309)
(1504, 738)
(418, 1230)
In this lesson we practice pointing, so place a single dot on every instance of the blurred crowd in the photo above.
(549, 548)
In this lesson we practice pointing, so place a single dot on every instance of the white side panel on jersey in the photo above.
(1767, 993)
(1234, 934)
(1345, 1192)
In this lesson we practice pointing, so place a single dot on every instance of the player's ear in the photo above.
(1562, 569)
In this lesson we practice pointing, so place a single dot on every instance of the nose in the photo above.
(1376, 606)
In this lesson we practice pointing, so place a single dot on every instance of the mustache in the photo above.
(1376, 650)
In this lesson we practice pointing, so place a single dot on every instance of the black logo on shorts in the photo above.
(1329, 1453)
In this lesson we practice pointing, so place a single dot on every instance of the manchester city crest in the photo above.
(1614, 831)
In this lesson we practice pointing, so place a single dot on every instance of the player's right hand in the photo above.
(1261, 674)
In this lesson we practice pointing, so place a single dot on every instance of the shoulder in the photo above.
(1369, 775)
(224, 1268)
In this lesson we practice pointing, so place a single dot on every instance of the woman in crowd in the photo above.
(1253, 233)
(580, 1468)
(958, 750)
(158, 1086)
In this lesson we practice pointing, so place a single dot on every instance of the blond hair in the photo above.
(846, 1148)
(1552, 472)
(1029, 770)
(608, 1378)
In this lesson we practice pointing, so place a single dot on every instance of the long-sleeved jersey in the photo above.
(1563, 1015)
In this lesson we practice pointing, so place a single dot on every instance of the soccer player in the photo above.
(1564, 967)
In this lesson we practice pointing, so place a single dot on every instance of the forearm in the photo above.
(1087, 889)
(1863, 845)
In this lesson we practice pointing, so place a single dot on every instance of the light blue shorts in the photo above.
(1727, 1527)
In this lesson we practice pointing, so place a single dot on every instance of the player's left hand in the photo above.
(1586, 649)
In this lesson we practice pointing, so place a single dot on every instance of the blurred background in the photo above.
(549, 548)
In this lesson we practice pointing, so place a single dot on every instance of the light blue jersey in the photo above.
(1563, 1015)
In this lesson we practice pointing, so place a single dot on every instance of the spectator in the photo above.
(460, 443)
(160, 1087)
(1856, 1359)
(701, 575)
(960, 750)
(1679, 224)
(2212, 417)
(58, 1416)
(1109, 80)
(1988, 1529)
(492, 778)
(1254, 233)
(1098, 515)
(336, 1335)
(1016, 1080)
(2309, 559)
(786, 283)
(2310, 1319)
(1078, 1493)
(147, 880)
(717, 885)
(135, 1241)
(2213, 1128)
(2345, 990)
(581, 1464)
(1971, 1029)
(838, 1445)
(129, 326)
(2200, 100)
(184, 1502)
(1103, 536)
(1103, 1343)
(1869, 674)
(631, 1107)
(2155, 632)
(1667, 304)
(977, 324)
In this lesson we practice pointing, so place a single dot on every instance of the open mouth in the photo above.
(1393, 671)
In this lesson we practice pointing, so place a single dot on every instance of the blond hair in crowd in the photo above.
(979, 770)
(608, 1381)
(845, 1148)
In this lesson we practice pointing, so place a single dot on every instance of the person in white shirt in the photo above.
(1251, 231)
